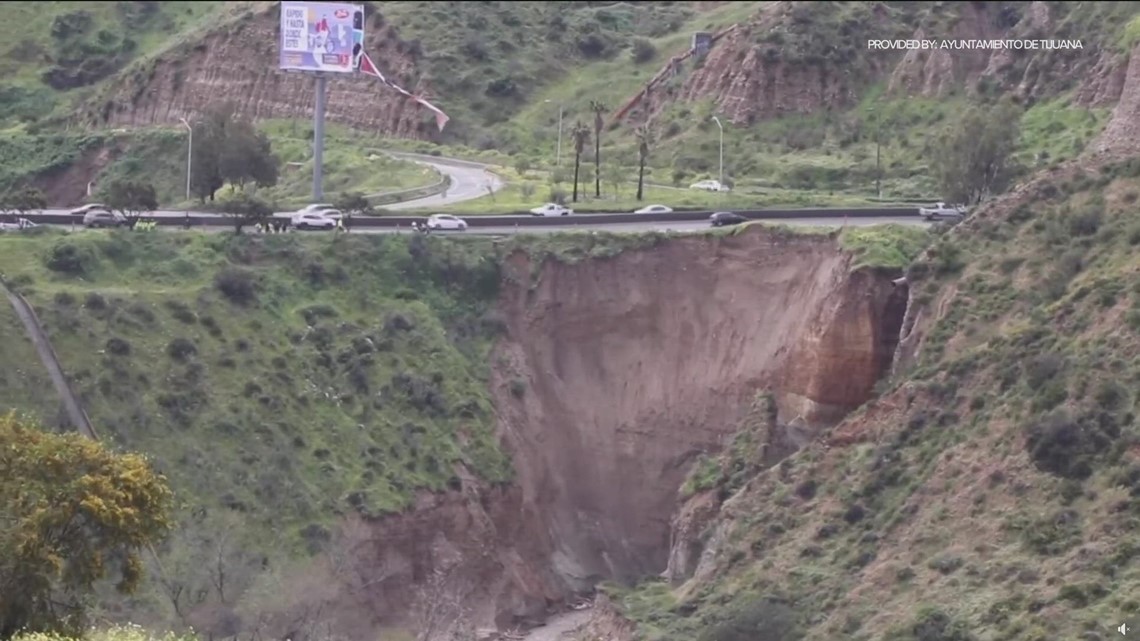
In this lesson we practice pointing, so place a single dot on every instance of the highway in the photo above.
(469, 180)
(675, 226)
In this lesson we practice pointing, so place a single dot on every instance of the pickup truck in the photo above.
(551, 209)
(941, 211)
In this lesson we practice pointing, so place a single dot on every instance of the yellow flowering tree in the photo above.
(71, 513)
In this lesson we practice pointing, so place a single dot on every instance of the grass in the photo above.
(992, 465)
(55, 37)
(112, 633)
(884, 246)
(24, 382)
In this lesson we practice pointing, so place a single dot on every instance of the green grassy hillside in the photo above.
(992, 492)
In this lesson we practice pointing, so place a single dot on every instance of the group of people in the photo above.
(275, 226)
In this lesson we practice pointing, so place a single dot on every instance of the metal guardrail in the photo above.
(526, 220)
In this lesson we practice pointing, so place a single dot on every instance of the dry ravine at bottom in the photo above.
(621, 364)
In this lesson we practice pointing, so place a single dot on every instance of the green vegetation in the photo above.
(995, 462)
(884, 246)
(114, 633)
(74, 514)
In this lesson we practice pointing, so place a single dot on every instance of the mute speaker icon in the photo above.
(1122, 629)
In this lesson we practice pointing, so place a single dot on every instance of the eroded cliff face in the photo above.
(236, 61)
(615, 374)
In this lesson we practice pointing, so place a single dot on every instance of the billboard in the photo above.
(321, 36)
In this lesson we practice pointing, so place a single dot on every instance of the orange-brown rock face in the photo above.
(616, 373)
(238, 63)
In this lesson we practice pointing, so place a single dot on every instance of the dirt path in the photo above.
(51, 362)
(559, 626)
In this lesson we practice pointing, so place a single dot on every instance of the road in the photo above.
(677, 226)
(469, 181)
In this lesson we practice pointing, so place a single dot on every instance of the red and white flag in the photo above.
(368, 67)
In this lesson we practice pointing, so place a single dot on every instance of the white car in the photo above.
(21, 223)
(312, 221)
(551, 209)
(82, 211)
(312, 209)
(655, 209)
(446, 221)
(709, 185)
(940, 211)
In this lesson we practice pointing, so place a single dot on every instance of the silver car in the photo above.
(95, 219)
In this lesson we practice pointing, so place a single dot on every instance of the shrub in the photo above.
(643, 51)
(1067, 447)
(68, 258)
(752, 619)
(237, 285)
(181, 349)
(117, 346)
(932, 624)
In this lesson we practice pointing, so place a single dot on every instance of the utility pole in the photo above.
(319, 139)
(878, 149)
(189, 155)
(558, 149)
(720, 178)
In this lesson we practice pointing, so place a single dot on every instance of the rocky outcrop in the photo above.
(236, 61)
(1122, 134)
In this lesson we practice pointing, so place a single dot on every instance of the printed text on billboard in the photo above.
(321, 36)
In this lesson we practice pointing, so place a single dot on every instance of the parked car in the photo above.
(312, 220)
(97, 218)
(709, 185)
(20, 223)
(551, 209)
(654, 209)
(940, 211)
(722, 218)
(82, 211)
(446, 221)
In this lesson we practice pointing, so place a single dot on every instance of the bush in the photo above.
(643, 51)
(237, 285)
(181, 349)
(68, 258)
(1067, 447)
(935, 625)
(752, 619)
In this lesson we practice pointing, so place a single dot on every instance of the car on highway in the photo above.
(723, 218)
(17, 225)
(82, 211)
(314, 208)
(941, 211)
(551, 209)
(312, 220)
(440, 222)
(97, 218)
(654, 209)
(709, 185)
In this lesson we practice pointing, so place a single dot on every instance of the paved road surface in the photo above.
(468, 181)
(681, 226)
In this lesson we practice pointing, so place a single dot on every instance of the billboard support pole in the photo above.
(319, 138)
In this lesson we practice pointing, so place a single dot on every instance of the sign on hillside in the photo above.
(321, 36)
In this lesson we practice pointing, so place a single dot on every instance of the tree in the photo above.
(599, 109)
(644, 140)
(244, 210)
(579, 134)
(22, 201)
(228, 148)
(131, 199)
(972, 160)
(353, 204)
(71, 512)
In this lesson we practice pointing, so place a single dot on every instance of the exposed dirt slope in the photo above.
(234, 62)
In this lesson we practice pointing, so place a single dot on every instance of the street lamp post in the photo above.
(189, 154)
(721, 127)
(558, 152)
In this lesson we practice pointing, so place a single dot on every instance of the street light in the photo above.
(189, 154)
(558, 156)
(721, 127)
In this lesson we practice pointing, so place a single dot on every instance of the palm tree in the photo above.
(580, 134)
(644, 139)
(599, 108)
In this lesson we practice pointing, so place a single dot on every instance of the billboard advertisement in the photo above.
(321, 36)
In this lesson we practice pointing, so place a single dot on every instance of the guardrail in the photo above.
(525, 220)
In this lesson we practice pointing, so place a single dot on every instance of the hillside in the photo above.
(806, 106)
(987, 492)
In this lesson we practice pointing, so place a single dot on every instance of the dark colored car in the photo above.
(722, 218)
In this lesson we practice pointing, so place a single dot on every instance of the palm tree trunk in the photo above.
(640, 178)
(577, 165)
(597, 163)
